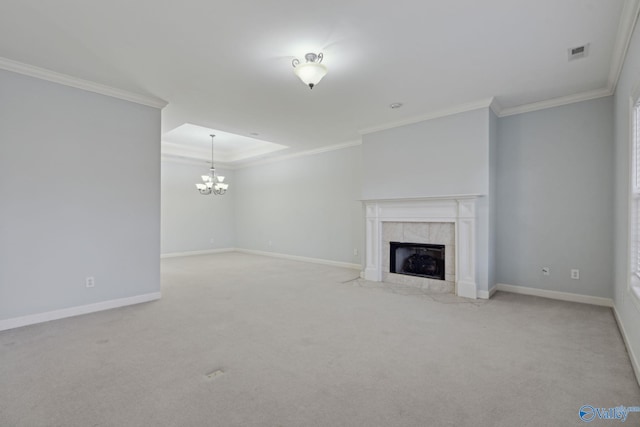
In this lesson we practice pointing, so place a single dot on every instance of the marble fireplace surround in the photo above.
(459, 210)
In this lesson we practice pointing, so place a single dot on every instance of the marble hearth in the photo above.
(448, 220)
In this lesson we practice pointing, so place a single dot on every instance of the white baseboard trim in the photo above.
(625, 338)
(563, 296)
(301, 258)
(493, 290)
(17, 322)
(487, 294)
(194, 253)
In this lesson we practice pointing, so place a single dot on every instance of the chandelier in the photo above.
(312, 71)
(213, 183)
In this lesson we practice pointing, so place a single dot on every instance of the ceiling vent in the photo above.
(578, 52)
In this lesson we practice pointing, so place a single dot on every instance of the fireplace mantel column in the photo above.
(373, 270)
(466, 249)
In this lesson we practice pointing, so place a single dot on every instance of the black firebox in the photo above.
(417, 259)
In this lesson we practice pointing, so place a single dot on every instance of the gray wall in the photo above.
(306, 206)
(628, 313)
(554, 198)
(443, 156)
(191, 221)
(80, 196)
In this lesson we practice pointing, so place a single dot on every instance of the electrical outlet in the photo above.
(90, 282)
(575, 274)
(545, 271)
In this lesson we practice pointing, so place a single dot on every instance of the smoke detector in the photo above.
(578, 52)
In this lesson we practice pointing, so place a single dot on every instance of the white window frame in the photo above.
(634, 196)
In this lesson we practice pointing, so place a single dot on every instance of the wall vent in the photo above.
(578, 52)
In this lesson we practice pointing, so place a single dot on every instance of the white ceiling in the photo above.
(226, 64)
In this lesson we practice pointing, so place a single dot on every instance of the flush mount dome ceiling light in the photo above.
(312, 71)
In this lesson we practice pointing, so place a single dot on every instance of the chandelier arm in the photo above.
(320, 56)
(295, 62)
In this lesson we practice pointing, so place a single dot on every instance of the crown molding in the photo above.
(628, 19)
(173, 158)
(556, 102)
(495, 106)
(300, 154)
(462, 108)
(182, 151)
(64, 79)
(192, 161)
(168, 156)
(187, 151)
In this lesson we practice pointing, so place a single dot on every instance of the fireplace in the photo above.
(417, 259)
(450, 221)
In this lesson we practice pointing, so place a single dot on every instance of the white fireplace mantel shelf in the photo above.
(425, 198)
(458, 209)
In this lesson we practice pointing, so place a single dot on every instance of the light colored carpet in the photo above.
(295, 344)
